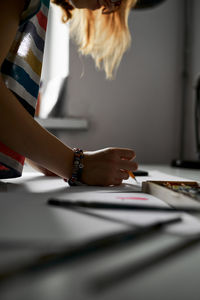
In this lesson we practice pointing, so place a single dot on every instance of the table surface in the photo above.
(159, 266)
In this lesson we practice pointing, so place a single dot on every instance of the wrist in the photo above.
(77, 168)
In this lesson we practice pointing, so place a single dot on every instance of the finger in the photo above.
(126, 153)
(120, 176)
(117, 178)
(128, 165)
(123, 175)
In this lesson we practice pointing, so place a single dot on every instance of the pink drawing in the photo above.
(132, 198)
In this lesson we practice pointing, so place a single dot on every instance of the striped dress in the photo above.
(21, 71)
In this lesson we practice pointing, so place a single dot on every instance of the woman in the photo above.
(22, 36)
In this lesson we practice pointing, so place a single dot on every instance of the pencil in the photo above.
(132, 175)
(120, 206)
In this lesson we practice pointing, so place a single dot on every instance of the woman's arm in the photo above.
(39, 168)
(20, 132)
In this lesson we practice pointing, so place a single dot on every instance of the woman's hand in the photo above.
(108, 166)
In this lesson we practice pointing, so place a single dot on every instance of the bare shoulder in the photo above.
(10, 12)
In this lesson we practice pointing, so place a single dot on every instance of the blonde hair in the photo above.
(103, 36)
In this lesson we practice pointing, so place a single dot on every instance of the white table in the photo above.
(25, 217)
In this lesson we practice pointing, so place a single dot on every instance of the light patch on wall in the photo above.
(56, 60)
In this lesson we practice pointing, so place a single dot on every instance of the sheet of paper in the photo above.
(122, 198)
(189, 225)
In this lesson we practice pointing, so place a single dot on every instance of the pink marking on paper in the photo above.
(132, 198)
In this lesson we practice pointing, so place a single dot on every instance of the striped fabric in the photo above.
(21, 71)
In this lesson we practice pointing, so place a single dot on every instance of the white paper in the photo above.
(189, 225)
(121, 198)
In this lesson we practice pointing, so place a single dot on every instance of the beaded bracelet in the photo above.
(77, 168)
